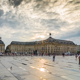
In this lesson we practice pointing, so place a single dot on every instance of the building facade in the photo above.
(78, 47)
(2, 46)
(50, 45)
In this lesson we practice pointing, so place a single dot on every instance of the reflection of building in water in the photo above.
(50, 45)
(2, 46)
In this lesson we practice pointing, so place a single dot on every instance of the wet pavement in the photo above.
(39, 68)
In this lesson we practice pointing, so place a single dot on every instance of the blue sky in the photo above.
(32, 20)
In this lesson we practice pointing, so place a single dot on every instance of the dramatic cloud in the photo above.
(30, 20)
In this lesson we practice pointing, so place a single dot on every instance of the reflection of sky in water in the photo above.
(42, 78)
(43, 70)
(40, 69)
(42, 60)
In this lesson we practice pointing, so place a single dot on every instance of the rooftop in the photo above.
(50, 39)
(1, 42)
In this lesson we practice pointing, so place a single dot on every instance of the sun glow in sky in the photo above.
(32, 20)
(42, 36)
(38, 36)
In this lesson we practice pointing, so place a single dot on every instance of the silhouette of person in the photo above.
(11, 67)
(53, 57)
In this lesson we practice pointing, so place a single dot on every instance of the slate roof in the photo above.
(1, 42)
(50, 39)
(22, 43)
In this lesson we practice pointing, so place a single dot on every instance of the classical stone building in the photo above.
(50, 45)
(78, 47)
(2, 46)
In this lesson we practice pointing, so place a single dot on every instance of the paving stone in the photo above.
(39, 68)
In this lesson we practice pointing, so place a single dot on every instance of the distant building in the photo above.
(2, 46)
(50, 45)
(78, 47)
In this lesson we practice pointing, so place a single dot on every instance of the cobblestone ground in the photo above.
(39, 68)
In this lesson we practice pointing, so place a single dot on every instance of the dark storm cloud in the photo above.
(1, 12)
(39, 4)
(70, 2)
(15, 2)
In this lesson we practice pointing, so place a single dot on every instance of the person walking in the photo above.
(63, 54)
(76, 56)
(11, 68)
(31, 54)
(53, 57)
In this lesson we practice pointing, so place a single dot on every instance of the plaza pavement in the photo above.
(39, 68)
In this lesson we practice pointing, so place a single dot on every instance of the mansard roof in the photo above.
(50, 39)
(22, 43)
(1, 42)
